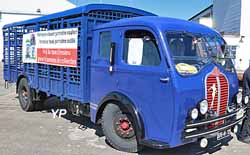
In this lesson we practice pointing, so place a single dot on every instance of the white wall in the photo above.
(245, 18)
(244, 51)
(208, 21)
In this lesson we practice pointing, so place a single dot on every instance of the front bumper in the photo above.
(155, 144)
(199, 129)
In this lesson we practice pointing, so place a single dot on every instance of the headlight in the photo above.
(239, 98)
(246, 99)
(203, 107)
(194, 114)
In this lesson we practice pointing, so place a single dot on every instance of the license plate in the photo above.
(223, 134)
(240, 114)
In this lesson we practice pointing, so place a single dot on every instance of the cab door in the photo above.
(103, 80)
(144, 76)
(139, 71)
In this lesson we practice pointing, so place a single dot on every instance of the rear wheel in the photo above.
(25, 96)
(119, 129)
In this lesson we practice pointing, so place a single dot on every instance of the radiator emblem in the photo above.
(214, 91)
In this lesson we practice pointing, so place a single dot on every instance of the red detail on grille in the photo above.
(224, 94)
(213, 80)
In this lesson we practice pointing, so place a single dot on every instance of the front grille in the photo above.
(217, 93)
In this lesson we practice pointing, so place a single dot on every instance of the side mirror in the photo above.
(230, 52)
(147, 38)
(112, 56)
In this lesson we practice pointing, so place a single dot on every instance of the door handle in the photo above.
(165, 80)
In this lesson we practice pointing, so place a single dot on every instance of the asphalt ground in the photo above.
(38, 133)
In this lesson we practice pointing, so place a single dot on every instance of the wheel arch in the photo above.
(123, 101)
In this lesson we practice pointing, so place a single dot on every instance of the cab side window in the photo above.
(104, 45)
(140, 48)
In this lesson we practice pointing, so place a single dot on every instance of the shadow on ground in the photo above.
(85, 123)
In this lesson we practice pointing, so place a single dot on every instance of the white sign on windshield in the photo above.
(135, 51)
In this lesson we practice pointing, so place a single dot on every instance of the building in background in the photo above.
(204, 17)
(230, 18)
(18, 10)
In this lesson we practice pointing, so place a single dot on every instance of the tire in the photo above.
(118, 134)
(25, 96)
(40, 103)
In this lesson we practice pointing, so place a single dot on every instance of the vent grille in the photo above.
(217, 93)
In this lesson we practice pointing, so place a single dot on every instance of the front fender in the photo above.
(123, 101)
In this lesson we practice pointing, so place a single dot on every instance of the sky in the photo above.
(183, 9)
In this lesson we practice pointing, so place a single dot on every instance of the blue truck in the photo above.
(147, 80)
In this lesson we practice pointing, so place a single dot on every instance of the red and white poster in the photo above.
(55, 47)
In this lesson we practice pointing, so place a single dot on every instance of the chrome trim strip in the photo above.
(205, 82)
(218, 93)
(210, 132)
(93, 106)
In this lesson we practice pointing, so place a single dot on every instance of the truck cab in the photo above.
(173, 77)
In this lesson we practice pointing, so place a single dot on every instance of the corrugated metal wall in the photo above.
(245, 19)
(227, 16)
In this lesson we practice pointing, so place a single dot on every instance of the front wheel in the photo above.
(24, 95)
(119, 129)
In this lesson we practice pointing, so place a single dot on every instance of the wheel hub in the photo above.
(123, 126)
(24, 94)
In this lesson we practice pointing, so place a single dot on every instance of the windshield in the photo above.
(191, 52)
